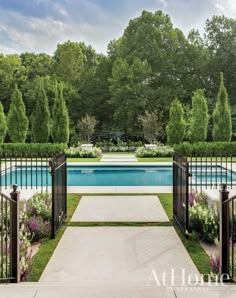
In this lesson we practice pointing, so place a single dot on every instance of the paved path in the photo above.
(116, 157)
(120, 209)
(117, 262)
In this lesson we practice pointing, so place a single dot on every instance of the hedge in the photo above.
(22, 149)
(206, 149)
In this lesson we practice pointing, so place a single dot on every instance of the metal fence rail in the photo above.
(181, 191)
(9, 238)
(210, 172)
(227, 235)
(59, 192)
(29, 172)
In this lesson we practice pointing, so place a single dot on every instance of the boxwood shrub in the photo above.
(24, 149)
(207, 148)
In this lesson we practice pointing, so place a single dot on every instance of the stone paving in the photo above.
(120, 209)
(118, 262)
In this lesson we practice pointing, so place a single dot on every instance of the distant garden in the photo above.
(155, 86)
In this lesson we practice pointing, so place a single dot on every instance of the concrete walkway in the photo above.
(118, 262)
(116, 157)
(120, 209)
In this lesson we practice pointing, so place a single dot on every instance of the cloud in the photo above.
(40, 25)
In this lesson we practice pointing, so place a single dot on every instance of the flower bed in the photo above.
(119, 146)
(77, 152)
(159, 151)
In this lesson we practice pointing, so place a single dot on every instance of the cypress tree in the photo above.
(177, 125)
(222, 121)
(3, 124)
(17, 121)
(41, 115)
(199, 117)
(60, 118)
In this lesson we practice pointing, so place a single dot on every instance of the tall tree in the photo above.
(222, 121)
(152, 125)
(177, 125)
(17, 121)
(129, 89)
(41, 115)
(199, 117)
(60, 118)
(3, 124)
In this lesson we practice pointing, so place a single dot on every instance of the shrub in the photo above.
(177, 125)
(41, 206)
(38, 228)
(160, 151)
(32, 149)
(206, 148)
(120, 146)
(204, 221)
(81, 153)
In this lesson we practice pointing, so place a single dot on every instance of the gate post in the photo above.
(15, 241)
(224, 234)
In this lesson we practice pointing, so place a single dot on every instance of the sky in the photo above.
(39, 25)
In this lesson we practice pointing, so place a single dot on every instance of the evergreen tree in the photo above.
(222, 121)
(41, 116)
(199, 117)
(17, 121)
(60, 118)
(177, 125)
(3, 124)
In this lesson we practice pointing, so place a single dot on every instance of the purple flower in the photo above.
(33, 224)
(215, 264)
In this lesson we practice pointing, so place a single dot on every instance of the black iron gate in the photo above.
(59, 192)
(180, 191)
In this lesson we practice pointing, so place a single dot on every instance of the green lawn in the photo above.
(48, 246)
(83, 159)
(195, 250)
(155, 159)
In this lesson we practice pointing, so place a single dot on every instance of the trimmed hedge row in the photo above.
(207, 149)
(22, 149)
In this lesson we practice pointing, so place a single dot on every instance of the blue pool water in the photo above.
(112, 176)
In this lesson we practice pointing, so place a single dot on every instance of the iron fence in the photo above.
(59, 192)
(9, 237)
(28, 172)
(180, 191)
(227, 235)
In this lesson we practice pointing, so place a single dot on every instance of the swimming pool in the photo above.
(113, 176)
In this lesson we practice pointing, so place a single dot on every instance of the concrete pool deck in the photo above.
(120, 209)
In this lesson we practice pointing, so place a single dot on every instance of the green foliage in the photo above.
(43, 150)
(204, 221)
(161, 151)
(41, 116)
(222, 122)
(152, 125)
(80, 153)
(17, 121)
(129, 90)
(86, 128)
(206, 149)
(199, 117)
(69, 61)
(176, 126)
(60, 119)
(3, 124)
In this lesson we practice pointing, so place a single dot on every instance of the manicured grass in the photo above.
(83, 159)
(155, 159)
(119, 224)
(195, 250)
(48, 246)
